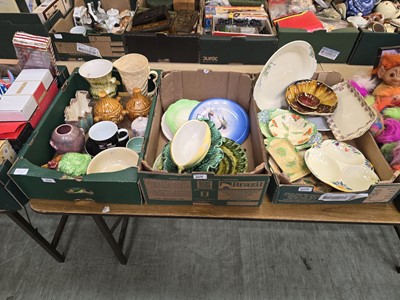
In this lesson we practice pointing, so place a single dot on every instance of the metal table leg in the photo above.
(33, 233)
(107, 233)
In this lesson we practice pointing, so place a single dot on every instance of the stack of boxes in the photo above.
(24, 104)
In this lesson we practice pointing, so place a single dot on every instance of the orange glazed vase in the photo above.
(138, 105)
(109, 109)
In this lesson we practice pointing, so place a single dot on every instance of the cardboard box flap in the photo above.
(329, 78)
(367, 145)
(205, 84)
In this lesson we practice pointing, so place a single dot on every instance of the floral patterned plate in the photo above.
(292, 62)
(341, 166)
(292, 127)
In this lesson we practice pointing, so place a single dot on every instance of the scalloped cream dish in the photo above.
(341, 166)
(292, 127)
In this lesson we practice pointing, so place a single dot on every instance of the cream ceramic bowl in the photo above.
(190, 144)
(112, 160)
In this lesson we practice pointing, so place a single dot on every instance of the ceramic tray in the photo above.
(229, 117)
(294, 61)
(352, 117)
(341, 166)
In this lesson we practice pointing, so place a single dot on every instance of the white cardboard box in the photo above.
(34, 88)
(17, 107)
(43, 75)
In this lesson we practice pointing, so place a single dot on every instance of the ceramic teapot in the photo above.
(109, 109)
(388, 9)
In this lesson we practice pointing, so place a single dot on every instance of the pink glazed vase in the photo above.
(67, 138)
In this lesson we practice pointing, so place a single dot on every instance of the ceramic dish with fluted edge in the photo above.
(341, 166)
(292, 127)
(293, 61)
(311, 97)
(353, 116)
(178, 113)
(165, 129)
(235, 159)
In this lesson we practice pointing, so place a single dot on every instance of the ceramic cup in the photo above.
(104, 135)
(135, 72)
(78, 30)
(135, 144)
(98, 73)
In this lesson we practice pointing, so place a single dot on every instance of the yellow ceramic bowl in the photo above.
(190, 144)
(112, 160)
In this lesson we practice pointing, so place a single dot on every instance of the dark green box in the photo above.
(368, 43)
(38, 182)
(338, 42)
(11, 197)
(255, 50)
(10, 23)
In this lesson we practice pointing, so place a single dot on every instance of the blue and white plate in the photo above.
(229, 117)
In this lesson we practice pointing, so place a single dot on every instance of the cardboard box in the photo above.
(246, 189)
(75, 46)
(42, 75)
(6, 152)
(184, 4)
(34, 88)
(17, 107)
(38, 182)
(384, 191)
(281, 191)
(365, 51)
(48, 8)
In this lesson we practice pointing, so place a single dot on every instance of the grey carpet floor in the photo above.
(202, 259)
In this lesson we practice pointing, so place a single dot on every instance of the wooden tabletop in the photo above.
(346, 213)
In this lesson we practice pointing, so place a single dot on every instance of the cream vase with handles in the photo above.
(135, 72)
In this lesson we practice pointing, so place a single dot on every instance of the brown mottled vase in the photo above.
(109, 109)
(67, 138)
(138, 105)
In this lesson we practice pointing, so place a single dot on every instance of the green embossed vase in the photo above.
(98, 73)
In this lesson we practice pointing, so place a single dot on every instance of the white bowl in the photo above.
(112, 160)
(190, 144)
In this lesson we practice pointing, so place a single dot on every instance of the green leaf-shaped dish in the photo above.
(208, 164)
(178, 113)
(235, 159)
